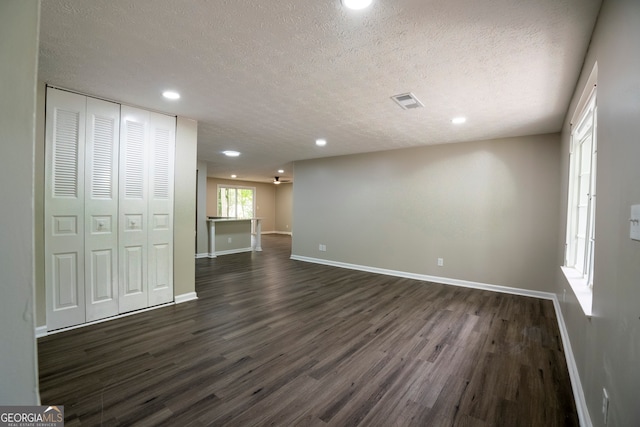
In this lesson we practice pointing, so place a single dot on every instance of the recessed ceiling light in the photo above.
(231, 153)
(280, 170)
(458, 120)
(234, 176)
(321, 142)
(171, 94)
(356, 4)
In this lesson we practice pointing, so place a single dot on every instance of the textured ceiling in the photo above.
(267, 78)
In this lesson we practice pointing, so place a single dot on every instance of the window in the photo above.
(582, 193)
(235, 201)
(581, 205)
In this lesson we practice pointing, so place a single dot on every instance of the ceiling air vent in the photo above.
(407, 101)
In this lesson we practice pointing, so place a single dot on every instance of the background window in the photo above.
(235, 201)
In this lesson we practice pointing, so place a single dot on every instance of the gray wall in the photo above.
(19, 23)
(489, 208)
(607, 347)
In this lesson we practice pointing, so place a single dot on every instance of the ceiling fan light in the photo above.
(356, 4)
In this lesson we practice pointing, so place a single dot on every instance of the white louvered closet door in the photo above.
(101, 209)
(133, 209)
(64, 209)
(160, 226)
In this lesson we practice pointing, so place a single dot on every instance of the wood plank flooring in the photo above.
(272, 341)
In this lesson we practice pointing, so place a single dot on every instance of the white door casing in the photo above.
(64, 209)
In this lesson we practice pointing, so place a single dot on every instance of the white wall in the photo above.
(607, 347)
(19, 23)
(489, 208)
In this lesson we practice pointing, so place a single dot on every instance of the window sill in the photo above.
(580, 289)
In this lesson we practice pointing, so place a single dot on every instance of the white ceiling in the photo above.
(267, 78)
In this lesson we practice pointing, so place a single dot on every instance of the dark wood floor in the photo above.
(273, 341)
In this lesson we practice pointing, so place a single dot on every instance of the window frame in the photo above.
(235, 187)
(581, 259)
(578, 265)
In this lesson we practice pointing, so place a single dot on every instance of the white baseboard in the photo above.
(229, 252)
(179, 299)
(427, 278)
(204, 255)
(106, 319)
(574, 375)
(41, 331)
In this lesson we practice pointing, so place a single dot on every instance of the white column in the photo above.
(256, 242)
(212, 238)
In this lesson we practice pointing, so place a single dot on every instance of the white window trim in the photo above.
(253, 214)
(582, 282)
(581, 289)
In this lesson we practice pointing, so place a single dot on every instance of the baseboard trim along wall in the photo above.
(179, 299)
(41, 331)
(284, 233)
(204, 255)
(229, 252)
(574, 375)
(427, 278)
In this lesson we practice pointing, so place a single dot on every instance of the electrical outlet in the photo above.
(564, 296)
(605, 405)
(229, 240)
(322, 248)
(440, 262)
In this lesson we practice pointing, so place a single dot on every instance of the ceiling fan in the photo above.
(277, 180)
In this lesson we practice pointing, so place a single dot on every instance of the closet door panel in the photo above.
(64, 209)
(101, 208)
(133, 209)
(160, 219)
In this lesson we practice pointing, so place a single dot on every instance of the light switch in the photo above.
(634, 222)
